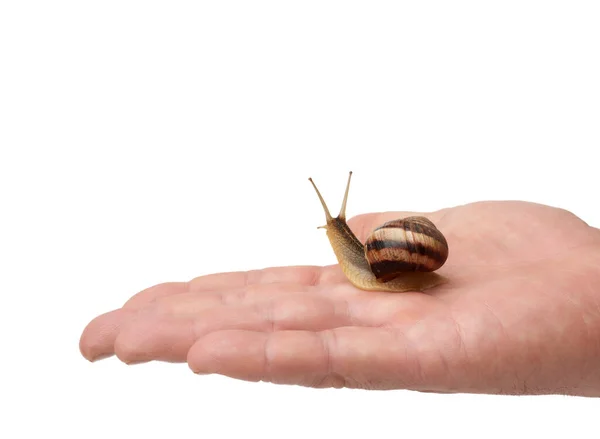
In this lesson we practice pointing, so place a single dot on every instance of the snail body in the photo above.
(398, 256)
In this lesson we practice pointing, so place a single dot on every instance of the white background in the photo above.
(134, 135)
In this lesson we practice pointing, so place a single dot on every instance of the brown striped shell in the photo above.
(409, 244)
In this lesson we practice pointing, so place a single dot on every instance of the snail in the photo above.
(398, 256)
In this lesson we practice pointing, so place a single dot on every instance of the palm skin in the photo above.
(519, 315)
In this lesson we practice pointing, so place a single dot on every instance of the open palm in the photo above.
(520, 314)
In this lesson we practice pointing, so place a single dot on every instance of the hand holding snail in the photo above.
(528, 301)
(400, 255)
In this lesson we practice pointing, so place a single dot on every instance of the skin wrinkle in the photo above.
(124, 347)
(594, 336)
(196, 329)
(581, 312)
(268, 356)
(269, 315)
(315, 279)
(135, 302)
(400, 337)
(347, 311)
(445, 365)
(233, 297)
(568, 296)
(462, 347)
(392, 323)
(537, 366)
(327, 340)
(128, 345)
(337, 379)
(587, 362)
(330, 349)
(519, 380)
(536, 370)
(258, 292)
(223, 298)
(330, 378)
(253, 277)
(500, 326)
(595, 299)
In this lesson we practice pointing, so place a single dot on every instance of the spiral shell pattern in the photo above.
(405, 245)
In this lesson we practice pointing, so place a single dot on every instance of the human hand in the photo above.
(520, 315)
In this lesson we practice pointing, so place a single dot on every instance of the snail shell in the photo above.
(409, 244)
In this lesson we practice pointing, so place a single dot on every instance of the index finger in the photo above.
(220, 282)
(302, 275)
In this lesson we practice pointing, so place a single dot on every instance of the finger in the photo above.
(356, 357)
(150, 337)
(155, 292)
(302, 275)
(98, 337)
(191, 302)
(159, 336)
